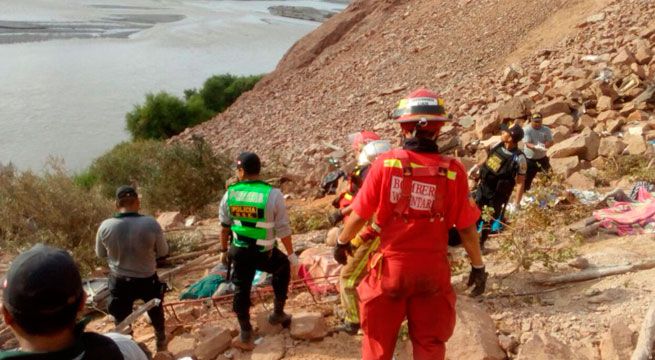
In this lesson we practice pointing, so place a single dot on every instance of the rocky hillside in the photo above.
(348, 74)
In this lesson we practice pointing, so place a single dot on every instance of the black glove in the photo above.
(341, 252)
(477, 277)
(335, 217)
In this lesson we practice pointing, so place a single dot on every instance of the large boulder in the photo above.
(213, 345)
(515, 108)
(308, 326)
(584, 145)
(559, 119)
(565, 166)
(636, 145)
(624, 57)
(546, 347)
(487, 125)
(554, 107)
(617, 343)
(182, 346)
(569, 147)
(271, 348)
(611, 146)
(171, 219)
(561, 133)
(473, 322)
(592, 144)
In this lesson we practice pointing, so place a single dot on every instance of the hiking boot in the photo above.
(160, 341)
(280, 318)
(348, 327)
(244, 341)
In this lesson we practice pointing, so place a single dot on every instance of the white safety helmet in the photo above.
(372, 150)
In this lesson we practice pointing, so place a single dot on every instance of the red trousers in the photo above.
(413, 286)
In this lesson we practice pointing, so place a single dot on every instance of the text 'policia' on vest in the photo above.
(246, 202)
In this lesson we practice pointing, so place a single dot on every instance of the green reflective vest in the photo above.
(246, 202)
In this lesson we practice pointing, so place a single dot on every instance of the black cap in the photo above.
(125, 191)
(515, 132)
(249, 162)
(42, 281)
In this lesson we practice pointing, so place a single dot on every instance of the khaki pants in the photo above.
(351, 274)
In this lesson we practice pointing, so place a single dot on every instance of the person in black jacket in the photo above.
(504, 169)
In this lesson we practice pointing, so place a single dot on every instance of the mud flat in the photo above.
(301, 12)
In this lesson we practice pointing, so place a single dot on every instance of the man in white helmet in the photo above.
(354, 261)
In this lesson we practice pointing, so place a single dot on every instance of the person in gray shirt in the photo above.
(132, 243)
(537, 139)
(253, 214)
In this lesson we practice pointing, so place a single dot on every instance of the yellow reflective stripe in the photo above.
(394, 163)
(347, 196)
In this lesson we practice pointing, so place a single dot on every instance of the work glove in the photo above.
(293, 259)
(341, 252)
(477, 277)
(335, 217)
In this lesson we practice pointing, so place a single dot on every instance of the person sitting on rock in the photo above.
(537, 139)
(504, 168)
(42, 295)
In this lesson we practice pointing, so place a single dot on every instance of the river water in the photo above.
(66, 94)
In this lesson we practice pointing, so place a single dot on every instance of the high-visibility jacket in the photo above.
(246, 202)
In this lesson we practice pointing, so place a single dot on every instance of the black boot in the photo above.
(245, 340)
(160, 337)
(279, 316)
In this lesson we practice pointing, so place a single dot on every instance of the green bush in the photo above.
(174, 177)
(51, 209)
(220, 91)
(164, 115)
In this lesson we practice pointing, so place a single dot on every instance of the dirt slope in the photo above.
(347, 75)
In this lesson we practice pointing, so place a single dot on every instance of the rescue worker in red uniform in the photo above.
(355, 178)
(415, 196)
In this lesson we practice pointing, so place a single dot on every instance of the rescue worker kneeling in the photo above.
(416, 196)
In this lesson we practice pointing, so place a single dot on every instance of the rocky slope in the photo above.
(348, 74)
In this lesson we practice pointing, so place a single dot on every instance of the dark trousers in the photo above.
(125, 290)
(246, 261)
(534, 166)
(498, 204)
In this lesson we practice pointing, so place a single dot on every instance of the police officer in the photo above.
(253, 214)
(504, 168)
(415, 195)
